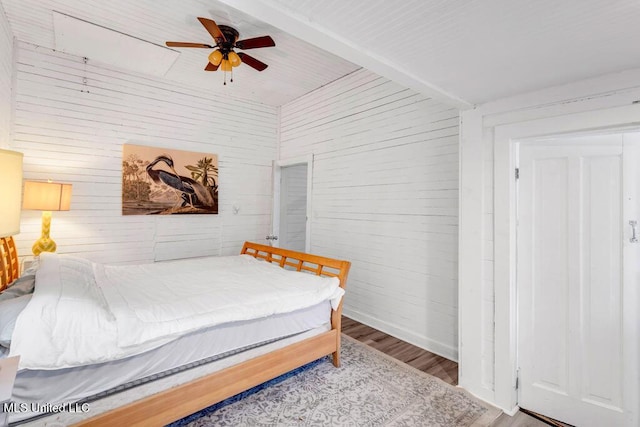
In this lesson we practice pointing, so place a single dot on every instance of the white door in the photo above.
(292, 204)
(577, 279)
(293, 207)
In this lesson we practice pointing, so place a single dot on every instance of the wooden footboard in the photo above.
(181, 401)
(315, 264)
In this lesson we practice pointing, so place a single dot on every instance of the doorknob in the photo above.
(634, 238)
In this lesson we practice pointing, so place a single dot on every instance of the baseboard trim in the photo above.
(436, 347)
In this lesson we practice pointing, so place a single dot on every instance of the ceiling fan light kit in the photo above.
(215, 57)
(224, 57)
(234, 59)
(226, 66)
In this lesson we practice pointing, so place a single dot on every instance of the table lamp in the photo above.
(46, 197)
(10, 192)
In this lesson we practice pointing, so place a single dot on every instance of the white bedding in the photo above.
(83, 313)
(70, 385)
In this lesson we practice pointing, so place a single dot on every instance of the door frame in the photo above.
(277, 192)
(505, 285)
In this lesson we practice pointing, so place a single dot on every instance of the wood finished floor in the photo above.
(425, 361)
(417, 357)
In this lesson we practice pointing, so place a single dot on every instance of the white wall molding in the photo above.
(590, 104)
(616, 86)
(471, 369)
(505, 224)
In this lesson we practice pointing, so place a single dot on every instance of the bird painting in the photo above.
(192, 192)
(150, 181)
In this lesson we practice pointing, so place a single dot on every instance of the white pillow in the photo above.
(9, 311)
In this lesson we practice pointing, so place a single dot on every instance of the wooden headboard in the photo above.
(9, 265)
(300, 261)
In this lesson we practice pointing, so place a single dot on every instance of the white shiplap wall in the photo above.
(6, 73)
(73, 132)
(385, 197)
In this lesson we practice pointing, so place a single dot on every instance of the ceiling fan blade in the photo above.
(213, 29)
(186, 44)
(254, 43)
(252, 62)
(210, 67)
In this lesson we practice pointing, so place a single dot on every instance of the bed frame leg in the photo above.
(336, 324)
(336, 316)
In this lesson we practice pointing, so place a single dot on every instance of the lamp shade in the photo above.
(10, 192)
(46, 196)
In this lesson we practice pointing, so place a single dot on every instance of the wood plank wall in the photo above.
(71, 121)
(385, 197)
(6, 64)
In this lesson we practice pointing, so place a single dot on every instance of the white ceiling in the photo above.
(295, 67)
(464, 52)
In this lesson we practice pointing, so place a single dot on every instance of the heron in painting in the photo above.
(192, 192)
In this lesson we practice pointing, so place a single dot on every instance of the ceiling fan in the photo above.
(226, 38)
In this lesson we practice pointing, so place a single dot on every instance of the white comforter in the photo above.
(83, 313)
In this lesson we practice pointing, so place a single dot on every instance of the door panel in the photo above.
(293, 207)
(601, 281)
(601, 257)
(550, 271)
(570, 280)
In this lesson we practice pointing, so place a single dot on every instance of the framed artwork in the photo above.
(160, 181)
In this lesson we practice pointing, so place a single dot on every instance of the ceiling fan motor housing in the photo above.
(231, 35)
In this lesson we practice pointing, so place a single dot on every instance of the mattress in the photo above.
(83, 313)
(54, 387)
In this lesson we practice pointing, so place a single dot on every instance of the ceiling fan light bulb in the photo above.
(234, 59)
(215, 57)
(225, 65)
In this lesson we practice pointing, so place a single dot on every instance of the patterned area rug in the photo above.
(369, 389)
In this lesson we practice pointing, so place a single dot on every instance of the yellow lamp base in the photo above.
(44, 243)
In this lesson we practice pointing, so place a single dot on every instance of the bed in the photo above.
(300, 341)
